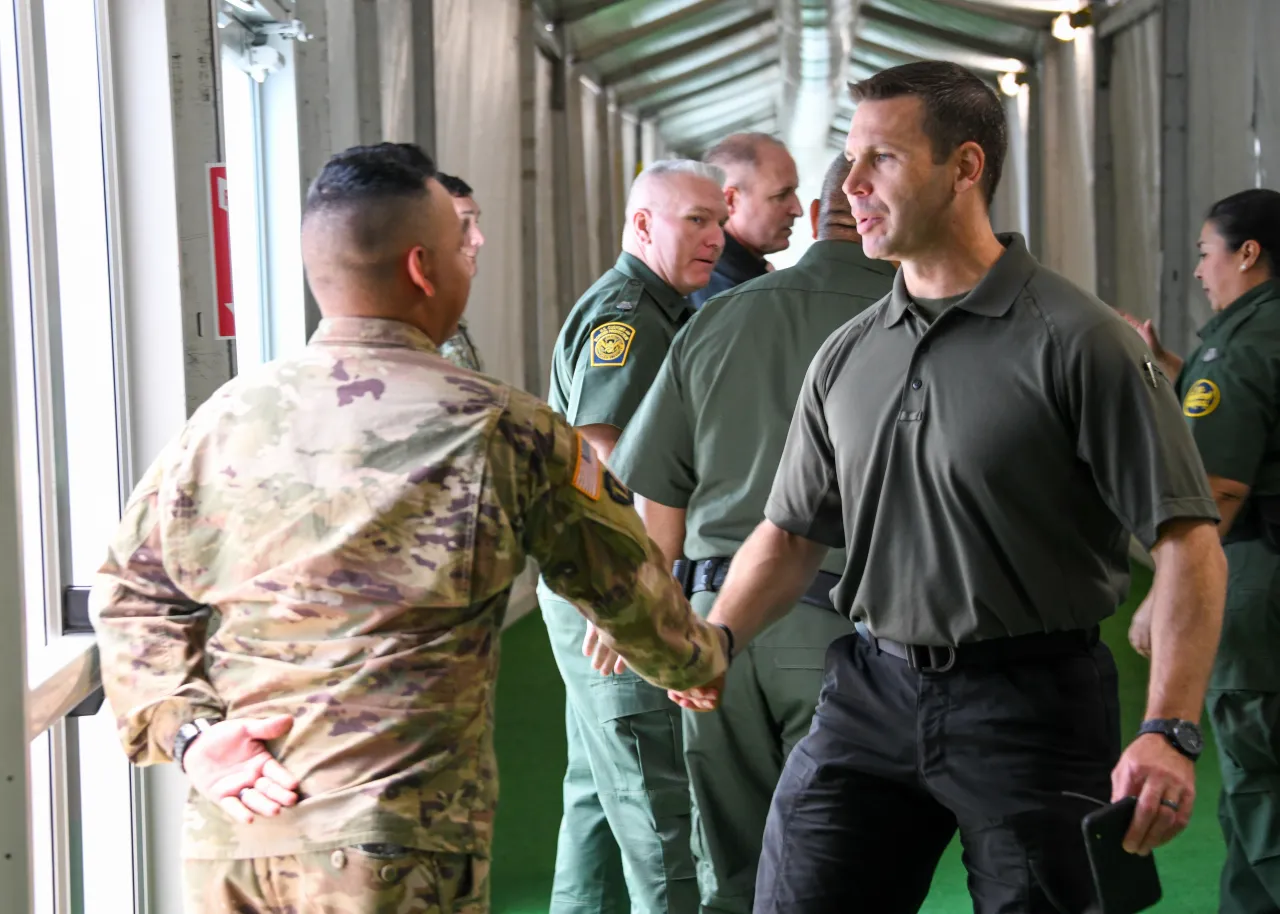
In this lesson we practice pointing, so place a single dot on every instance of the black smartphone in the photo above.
(1125, 882)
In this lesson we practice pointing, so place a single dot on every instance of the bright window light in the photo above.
(240, 119)
(20, 292)
(1009, 84)
(83, 301)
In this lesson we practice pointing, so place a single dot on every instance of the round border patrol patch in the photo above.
(1202, 398)
(610, 344)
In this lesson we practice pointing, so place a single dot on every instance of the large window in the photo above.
(67, 431)
(259, 124)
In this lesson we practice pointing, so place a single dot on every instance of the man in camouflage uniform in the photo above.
(355, 517)
(460, 349)
(626, 825)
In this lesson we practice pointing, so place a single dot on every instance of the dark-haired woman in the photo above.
(1230, 392)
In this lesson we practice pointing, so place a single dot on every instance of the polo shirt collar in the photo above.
(671, 301)
(994, 294)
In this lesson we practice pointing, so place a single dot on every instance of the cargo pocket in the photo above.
(1247, 727)
(464, 883)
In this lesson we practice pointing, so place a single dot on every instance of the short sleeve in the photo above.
(655, 455)
(805, 499)
(577, 521)
(1130, 432)
(616, 366)
(1230, 408)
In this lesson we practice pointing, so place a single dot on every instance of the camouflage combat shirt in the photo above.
(334, 536)
(461, 350)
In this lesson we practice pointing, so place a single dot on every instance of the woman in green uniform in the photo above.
(1230, 392)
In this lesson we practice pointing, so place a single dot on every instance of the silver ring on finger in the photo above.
(1170, 803)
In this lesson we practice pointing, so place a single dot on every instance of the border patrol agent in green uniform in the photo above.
(1230, 387)
(626, 822)
(706, 444)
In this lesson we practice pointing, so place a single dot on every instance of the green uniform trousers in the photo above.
(735, 754)
(354, 880)
(625, 830)
(1243, 705)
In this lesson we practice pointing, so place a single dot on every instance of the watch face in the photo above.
(1189, 736)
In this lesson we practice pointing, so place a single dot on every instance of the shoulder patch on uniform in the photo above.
(588, 470)
(617, 491)
(1202, 398)
(610, 344)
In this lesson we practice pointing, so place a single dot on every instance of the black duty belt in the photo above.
(710, 574)
(996, 651)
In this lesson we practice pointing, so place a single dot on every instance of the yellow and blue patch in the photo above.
(610, 344)
(1202, 398)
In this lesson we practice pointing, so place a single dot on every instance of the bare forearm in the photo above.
(768, 574)
(1170, 363)
(1188, 594)
(665, 526)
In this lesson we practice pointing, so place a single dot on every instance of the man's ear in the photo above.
(731, 198)
(814, 209)
(641, 225)
(420, 270)
(972, 163)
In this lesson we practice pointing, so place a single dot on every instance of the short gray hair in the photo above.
(741, 149)
(669, 167)
(686, 167)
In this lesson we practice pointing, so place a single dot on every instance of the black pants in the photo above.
(897, 760)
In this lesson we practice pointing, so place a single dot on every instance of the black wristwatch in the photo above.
(1183, 735)
(187, 734)
(728, 632)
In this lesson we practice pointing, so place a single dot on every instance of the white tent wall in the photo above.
(1009, 212)
(1231, 56)
(477, 100)
(617, 177)
(1067, 88)
(1135, 132)
(552, 306)
(1267, 85)
(595, 158)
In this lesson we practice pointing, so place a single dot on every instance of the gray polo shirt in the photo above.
(981, 470)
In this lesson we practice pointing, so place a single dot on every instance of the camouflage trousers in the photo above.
(363, 879)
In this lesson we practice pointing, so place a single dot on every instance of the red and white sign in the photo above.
(220, 231)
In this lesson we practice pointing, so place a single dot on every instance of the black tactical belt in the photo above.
(710, 574)
(1019, 649)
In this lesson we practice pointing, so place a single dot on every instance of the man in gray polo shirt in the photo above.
(979, 443)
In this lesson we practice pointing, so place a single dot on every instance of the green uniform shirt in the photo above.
(1229, 388)
(709, 434)
(982, 470)
(612, 344)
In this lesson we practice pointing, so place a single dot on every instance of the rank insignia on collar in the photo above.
(1209, 354)
(610, 344)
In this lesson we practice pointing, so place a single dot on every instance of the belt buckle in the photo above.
(931, 654)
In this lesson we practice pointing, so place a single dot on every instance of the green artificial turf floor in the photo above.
(531, 758)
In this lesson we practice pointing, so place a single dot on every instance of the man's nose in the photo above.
(794, 209)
